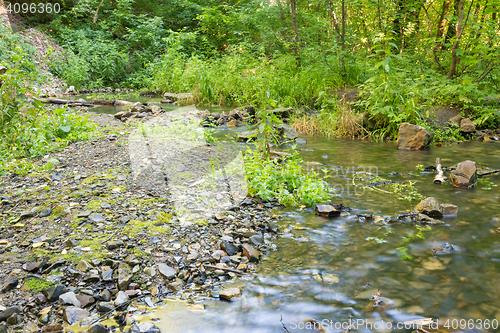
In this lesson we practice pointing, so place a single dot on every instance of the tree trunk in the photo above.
(451, 31)
(396, 23)
(458, 34)
(97, 11)
(442, 19)
(295, 30)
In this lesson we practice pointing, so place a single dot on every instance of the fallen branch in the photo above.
(439, 178)
(67, 102)
(487, 173)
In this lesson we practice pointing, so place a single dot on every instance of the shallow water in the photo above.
(322, 265)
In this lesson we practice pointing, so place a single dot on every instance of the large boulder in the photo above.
(467, 126)
(465, 175)
(414, 137)
(247, 136)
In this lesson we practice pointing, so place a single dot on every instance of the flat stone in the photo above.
(70, 298)
(114, 245)
(98, 329)
(257, 239)
(166, 271)
(72, 314)
(326, 211)
(177, 285)
(105, 307)
(230, 294)
(85, 300)
(106, 295)
(84, 214)
(252, 254)
(230, 248)
(121, 299)
(53, 328)
(4, 315)
(54, 292)
(10, 284)
(96, 218)
(83, 266)
(45, 212)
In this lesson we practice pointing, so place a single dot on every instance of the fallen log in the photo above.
(487, 173)
(103, 101)
(439, 178)
(67, 102)
(123, 103)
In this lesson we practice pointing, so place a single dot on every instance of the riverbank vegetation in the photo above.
(403, 57)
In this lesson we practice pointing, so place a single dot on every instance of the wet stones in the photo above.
(465, 175)
(247, 136)
(432, 208)
(414, 137)
(230, 248)
(326, 211)
(114, 245)
(230, 294)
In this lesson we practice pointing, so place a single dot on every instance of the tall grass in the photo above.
(340, 121)
(242, 79)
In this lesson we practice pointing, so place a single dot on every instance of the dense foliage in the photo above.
(406, 56)
(28, 129)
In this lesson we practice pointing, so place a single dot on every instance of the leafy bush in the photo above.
(287, 182)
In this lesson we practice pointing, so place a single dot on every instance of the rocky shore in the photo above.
(82, 243)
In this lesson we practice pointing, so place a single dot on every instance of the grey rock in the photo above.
(104, 307)
(96, 218)
(247, 136)
(287, 133)
(45, 212)
(114, 245)
(10, 284)
(54, 292)
(71, 242)
(106, 295)
(72, 314)
(449, 210)
(326, 211)
(230, 248)
(107, 275)
(121, 299)
(467, 126)
(257, 239)
(166, 271)
(4, 315)
(70, 298)
(98, 329)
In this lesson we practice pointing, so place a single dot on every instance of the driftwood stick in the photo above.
(439, 178)
(487, 173)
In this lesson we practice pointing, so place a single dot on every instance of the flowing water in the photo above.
(322, 265)
(327, 270)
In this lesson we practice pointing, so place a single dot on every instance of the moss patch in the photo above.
(38, 284)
